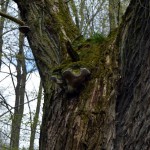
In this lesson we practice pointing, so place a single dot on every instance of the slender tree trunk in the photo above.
(36, 118)
(81, 12)
(90, 20)
(19, 93)
(75, 12)
(4, 5)
(114, 13)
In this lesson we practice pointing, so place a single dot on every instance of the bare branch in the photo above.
(20, 22)
(7, 105)
(17, 106)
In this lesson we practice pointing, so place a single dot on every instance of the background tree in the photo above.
(20, 93)
(97, 16)
(88, 15)
(4, 5)
(116, 11)
(12, 68)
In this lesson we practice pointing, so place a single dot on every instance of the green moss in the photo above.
(94, 56)
(97, 38)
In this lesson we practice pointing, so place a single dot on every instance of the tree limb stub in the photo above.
(20, 22)
(72, 53)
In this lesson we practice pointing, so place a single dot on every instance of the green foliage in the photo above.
(97, 37)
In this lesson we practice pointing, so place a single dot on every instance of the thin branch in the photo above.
(20, 22)
(29, 108)
(12, 77)
(17, 106)
(8, 31)
(4, 77)
(7, 105)
(72, 53)
(5, 134)
(11, 125)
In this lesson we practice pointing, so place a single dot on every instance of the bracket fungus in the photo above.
(24, 29)
(75, 80)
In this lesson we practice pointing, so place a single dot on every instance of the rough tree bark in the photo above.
(133, 102)
(36, 118)
(88, 120)
(77, 122)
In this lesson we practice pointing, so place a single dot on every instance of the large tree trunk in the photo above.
(87, 120)
(70, 122)
(133, 102)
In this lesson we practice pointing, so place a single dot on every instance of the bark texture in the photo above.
(82, 120)
(87, 120)
(133, 102)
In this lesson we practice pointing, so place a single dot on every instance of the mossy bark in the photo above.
(81, 121)
(87, 120)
